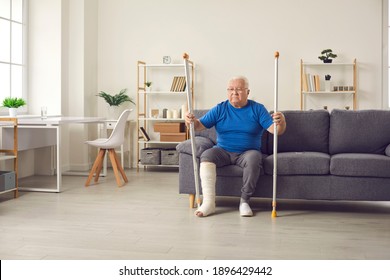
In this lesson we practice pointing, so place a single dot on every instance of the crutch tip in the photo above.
(276, 54)
(186, 56)
(273, 214)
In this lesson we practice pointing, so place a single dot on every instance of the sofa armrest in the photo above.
(202, 144)
(387, 151)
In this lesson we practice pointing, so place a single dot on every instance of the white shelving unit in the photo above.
(159, 97)
(6, 154)
(347, 70)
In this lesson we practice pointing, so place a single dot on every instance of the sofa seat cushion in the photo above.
(202, 144)
(360, 165)
(299, 163)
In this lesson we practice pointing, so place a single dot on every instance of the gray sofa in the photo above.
(342, 155)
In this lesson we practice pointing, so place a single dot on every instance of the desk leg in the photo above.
(59, 159)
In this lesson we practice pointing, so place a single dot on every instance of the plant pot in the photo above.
(13, 112)
(327, 85)
(328, 60)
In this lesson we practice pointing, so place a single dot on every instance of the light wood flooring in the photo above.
(149, 219)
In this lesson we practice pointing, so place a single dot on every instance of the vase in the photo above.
(113, 112)
(327, 85)
(13, 112)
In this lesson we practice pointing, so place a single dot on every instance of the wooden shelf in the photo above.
(164, 78)
(11, 123)
(305, 83)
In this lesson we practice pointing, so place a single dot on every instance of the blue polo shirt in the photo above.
(238, 129)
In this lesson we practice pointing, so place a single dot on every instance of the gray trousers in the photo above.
(250, 162)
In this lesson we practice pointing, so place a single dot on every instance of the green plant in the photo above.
(117, 99)
(13, 102)
(327, 55)
(148, 84)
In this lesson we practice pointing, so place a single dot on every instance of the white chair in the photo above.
(109, 144)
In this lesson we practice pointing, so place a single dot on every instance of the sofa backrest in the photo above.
(306, 131)
(208, 133)
(364, 131)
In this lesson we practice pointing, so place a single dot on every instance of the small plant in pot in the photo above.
(13, 103)
(117, 99)
(327, 56)
(114, 101)
(148, 85)
(327, 82)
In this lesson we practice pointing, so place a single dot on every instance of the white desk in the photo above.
(35, 132)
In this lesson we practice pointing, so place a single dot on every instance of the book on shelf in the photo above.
(174, 82)
(178, 84)
(311, 83)
(144, 134)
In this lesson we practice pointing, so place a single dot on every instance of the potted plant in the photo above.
(327, 82)
(13, 103)
(117, 99)
(148, 85)
(327, 55)
(114, 101)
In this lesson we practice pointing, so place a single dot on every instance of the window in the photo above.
(12, 48)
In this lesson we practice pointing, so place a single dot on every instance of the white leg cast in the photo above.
(208, 177)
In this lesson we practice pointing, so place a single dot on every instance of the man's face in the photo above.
(237, 93)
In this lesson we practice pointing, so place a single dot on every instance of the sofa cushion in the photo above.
(365, 131)
(387, 151)
(201, 143)
(360, 165)
(306, 131)
(299, 163)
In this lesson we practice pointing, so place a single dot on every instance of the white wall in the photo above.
(44, 56)
(230, 37)
(78, 48)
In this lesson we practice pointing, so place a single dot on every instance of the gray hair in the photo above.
(242, 78)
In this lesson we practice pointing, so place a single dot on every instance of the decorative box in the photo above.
(7, 180)
(173, 137)
(169, 127)
(169, 157)
(151, 156)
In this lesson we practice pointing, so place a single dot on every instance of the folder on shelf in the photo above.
(144, 134)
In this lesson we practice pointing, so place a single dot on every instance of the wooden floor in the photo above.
(148, 219)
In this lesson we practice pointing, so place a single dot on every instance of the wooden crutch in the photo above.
(192, 128)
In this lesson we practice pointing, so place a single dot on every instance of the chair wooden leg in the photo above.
(99, 168)
(120, 168)
(111, 153)
(98, 160)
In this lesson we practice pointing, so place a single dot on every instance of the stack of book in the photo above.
(178, 84)
(311, 83)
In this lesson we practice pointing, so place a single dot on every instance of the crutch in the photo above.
(192, 128)
(275, 174)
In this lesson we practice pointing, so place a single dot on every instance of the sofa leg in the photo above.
(192, 200)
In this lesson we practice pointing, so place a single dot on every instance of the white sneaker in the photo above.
(245, 210)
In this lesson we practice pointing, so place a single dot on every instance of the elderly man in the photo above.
(239, 123)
